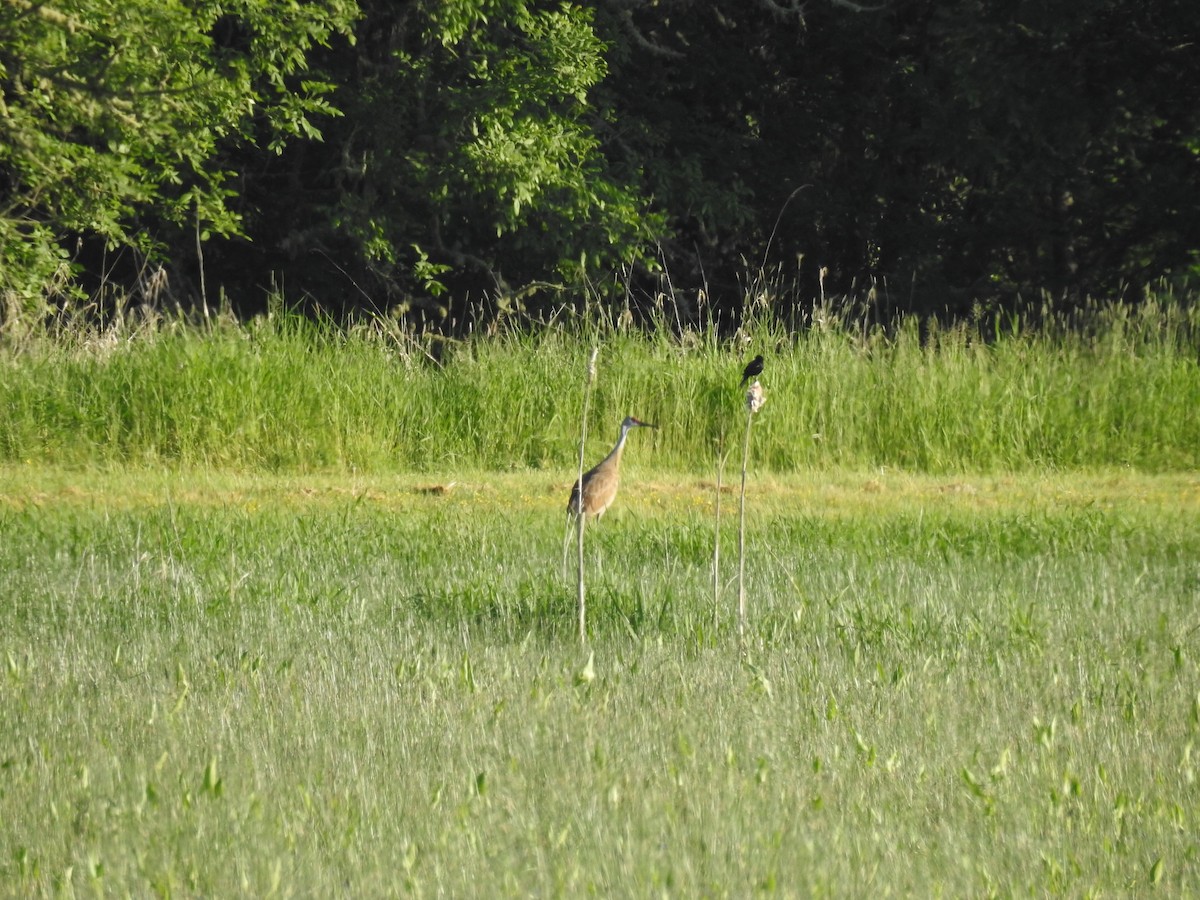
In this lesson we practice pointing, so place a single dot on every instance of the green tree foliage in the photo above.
(469, 162)
(113, 113)
(931, 155)
(952, 152)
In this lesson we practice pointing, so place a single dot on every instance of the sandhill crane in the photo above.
(753, 368)
(600, 482)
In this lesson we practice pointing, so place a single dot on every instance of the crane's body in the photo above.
(600, 482)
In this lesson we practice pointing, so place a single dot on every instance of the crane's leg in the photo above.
(581, 605)
(567, 543)
(597, 555)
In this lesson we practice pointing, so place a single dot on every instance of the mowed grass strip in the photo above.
(217, 684)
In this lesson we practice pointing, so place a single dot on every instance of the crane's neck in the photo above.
(615, 453)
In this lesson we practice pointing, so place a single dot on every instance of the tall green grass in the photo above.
(1119, 387)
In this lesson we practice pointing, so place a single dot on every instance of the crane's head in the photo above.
(632, 422)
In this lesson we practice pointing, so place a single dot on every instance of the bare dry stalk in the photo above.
(581, 601)
(754, 402)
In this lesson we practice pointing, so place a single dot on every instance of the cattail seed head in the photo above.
(756, 398)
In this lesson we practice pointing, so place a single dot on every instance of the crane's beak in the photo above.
(644, 424)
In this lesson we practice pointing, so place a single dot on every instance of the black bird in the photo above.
(753, 369)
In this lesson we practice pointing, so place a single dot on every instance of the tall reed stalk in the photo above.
(755, 398)
(580, 518)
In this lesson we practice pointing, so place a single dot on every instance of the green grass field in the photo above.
(282, 613)
(236, 684)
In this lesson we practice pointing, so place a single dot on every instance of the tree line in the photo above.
(451, 160)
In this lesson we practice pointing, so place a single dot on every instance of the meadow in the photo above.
(283, 614)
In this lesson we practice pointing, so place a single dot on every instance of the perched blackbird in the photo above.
(753, 369)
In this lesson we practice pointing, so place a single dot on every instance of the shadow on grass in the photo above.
(512, 612)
